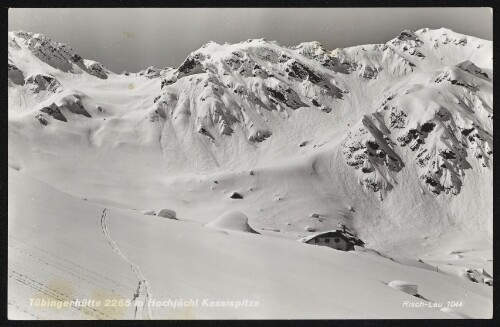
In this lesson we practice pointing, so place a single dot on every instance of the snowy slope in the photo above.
(81, 250)
(394, 140)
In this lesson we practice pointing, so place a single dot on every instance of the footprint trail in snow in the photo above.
(142, 294)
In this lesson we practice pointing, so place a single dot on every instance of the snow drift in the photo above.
(233, 221)
(403, 286)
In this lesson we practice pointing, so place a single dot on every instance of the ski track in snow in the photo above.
(142, 294)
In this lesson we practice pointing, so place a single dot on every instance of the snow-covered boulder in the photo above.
(167, 213)
(403, 286)
(149, 212)
(42, 119)
(478, 276)
(310, 229)
(232, 220)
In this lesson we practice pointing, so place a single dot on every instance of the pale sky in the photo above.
(135, 38)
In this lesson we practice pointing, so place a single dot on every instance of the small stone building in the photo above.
(336, 239)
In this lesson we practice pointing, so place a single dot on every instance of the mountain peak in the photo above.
(56, 55)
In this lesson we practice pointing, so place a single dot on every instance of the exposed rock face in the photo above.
(150, 72)
(369, 150)
(59, 55)
(239, 84)
(236, 195)
(469, 67)
(453, 76)
(54, 112)
(69, 104)
(74, 104)
(41, 82)
(192, 65)
(15, 75)
(440, 147)
(95, 68)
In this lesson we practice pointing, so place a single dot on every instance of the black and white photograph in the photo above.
(250, 163)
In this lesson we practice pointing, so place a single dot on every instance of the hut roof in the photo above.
(334, 233)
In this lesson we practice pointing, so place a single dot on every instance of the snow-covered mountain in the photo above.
(412, 116)
(394, 140)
